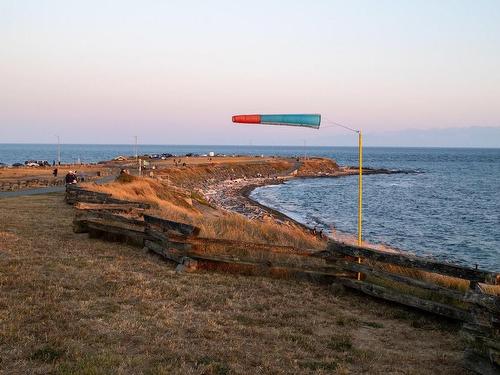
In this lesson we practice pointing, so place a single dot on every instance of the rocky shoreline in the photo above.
(234, 195)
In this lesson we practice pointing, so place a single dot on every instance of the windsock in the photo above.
(305, 120)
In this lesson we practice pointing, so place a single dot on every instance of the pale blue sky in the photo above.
(175, 71)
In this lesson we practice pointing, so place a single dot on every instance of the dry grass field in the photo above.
(10, 174)
(74, 305)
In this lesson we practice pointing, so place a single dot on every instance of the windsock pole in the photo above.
(360, 194)
(360, 187)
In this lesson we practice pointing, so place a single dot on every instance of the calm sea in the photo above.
(447, 208)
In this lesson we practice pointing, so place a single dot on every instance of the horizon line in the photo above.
(243, 145)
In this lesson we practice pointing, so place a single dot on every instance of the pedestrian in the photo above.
(70, 178)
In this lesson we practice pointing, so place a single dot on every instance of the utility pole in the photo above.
(135, 148)
(58, 151)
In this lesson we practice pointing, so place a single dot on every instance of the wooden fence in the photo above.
(13, 185)
(404, 279)
(37, 182)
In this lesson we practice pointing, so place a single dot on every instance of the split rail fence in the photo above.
(38, 182)
(404, 279)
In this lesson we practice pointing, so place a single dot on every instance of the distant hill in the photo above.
(474, 136)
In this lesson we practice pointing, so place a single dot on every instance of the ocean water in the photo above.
(446, 207)
(71, 153)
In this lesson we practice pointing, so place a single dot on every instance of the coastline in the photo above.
(234, 196)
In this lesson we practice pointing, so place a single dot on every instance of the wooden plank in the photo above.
(199, 245)
(129, 203)
(276, 249)
(412, 301)
(195, 252)
(411, 262)
(261, 269)
(108, 217)
(364, 268)
(244, 267)
(489, 302)
(182, 229)
(480, 337)
(132, 233)
(479, 364)
(110, 207)
(166, 240)
(80, 226)
(77, 194)
(170, 254)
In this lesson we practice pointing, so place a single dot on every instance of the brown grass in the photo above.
(186, 206)
(197, 175)
(14, 174)
(74, 305)
(315, 166)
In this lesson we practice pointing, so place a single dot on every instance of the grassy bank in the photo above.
(187, 206)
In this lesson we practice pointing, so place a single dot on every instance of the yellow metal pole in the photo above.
(360, 187)
(360, 195)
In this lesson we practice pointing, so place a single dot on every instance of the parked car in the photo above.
(166, 155)
(17, 165)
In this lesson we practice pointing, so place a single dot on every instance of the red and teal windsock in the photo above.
(306, 120)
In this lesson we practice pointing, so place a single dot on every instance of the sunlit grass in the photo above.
(190, 207)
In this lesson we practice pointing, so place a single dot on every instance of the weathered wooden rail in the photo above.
(76, 194)
(14, 185)
(404, 279)
(37, 182)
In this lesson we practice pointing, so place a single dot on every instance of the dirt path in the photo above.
(70, 304)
